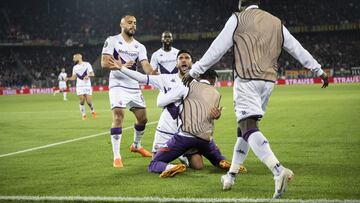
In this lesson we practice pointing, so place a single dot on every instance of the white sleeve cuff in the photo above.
(193, 72)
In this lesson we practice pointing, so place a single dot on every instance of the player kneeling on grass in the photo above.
(168, 122)
(198, 107)
(82, 71)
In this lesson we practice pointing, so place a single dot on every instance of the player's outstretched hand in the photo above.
(129, 64)
(187, 79)
(325, 79)
(215, 113)
(114, 63)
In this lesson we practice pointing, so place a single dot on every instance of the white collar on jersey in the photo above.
(251, 7)
(205, 81)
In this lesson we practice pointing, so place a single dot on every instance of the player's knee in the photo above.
(247, 124)
(145, 121)
(196, 162)
(117, 116)
(142, 121)
(197, 165)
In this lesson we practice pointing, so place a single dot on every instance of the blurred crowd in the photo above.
(73, 19)
(63, 22)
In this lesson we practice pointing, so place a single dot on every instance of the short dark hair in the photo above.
(127, 14)
(186, 52)
(209, 74)
(247, 3)
(166, 31)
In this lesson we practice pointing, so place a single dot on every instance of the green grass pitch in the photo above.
(313, 131)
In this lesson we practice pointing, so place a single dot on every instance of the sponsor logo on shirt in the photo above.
(129, 53)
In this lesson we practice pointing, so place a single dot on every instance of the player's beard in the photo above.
(76, 62)
(128, 33)
(167, 45)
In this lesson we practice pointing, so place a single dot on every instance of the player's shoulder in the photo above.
(158, 52)
(175, 50)
(113, 38)
(86, 63)
(138, 44)
(75, 66)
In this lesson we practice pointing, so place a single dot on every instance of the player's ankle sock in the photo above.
(91, 107)
(240, 152)
(138, 133)
(82, 109)
(169, 166)
(116, 134)
(262, 150)
(273, 164)
(65, 94)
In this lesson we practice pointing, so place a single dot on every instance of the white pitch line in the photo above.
(163, 199)
(65, 142)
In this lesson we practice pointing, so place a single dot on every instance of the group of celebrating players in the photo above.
(188, 97)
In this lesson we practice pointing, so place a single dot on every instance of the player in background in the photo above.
(125, 92)
(257, 38)
(82, 71)
(168, 122)
(164, 59)
(62, 84)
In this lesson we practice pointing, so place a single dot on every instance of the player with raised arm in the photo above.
(62, 84)
(82, 72)
(164, 62)
(125, 92)
(257, 38)
(168, 122)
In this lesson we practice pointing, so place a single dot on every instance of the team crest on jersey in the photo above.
(172, 80)
(244, 113)
(161, 55)
(136, 46)
(120, 43)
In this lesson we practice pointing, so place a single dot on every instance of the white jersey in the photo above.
(168, 122)
(165, 61)
(81, 70)
(62, 76)
(117, 47)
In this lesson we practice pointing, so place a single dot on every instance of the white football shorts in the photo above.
(62, 85)
(83, 91)
(251, 97)
(126, 98)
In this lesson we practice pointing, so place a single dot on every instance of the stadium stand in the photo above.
(39, 37)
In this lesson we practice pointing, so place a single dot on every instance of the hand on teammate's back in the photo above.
(325, 79)
(187, 79)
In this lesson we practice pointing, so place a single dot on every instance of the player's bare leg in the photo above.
(196, 161)
(82, 107)
(91, 105)
(139, 129)
(56, 91)
(64, 94)
(250, 133)
(116, 134)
